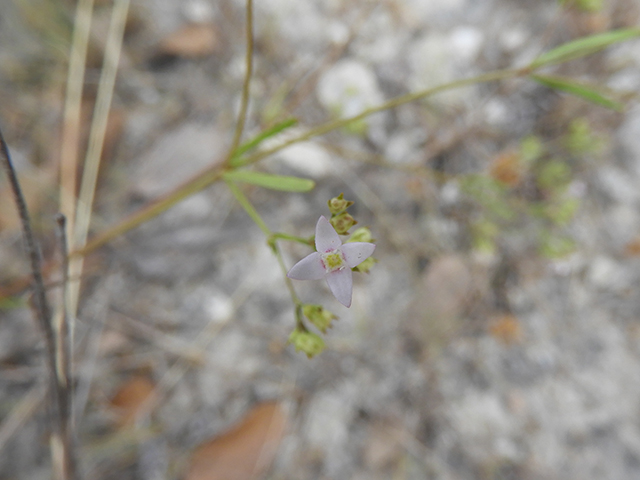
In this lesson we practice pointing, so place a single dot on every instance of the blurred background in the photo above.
(498, 337)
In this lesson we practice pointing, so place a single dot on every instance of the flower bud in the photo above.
(365, 266)
(307, 342)
(342, 223)
(362, 234)
(320, 317)
(338, 204)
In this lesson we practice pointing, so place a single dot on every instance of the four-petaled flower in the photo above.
(332, 260)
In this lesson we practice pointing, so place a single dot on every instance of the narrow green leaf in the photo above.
(236, 159)
(584, 46)
(273, 182)
(588, 92)
(248, 207)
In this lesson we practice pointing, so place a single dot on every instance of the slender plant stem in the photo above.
(244, 103)
(292, 238)
(64, 347)
(396, 102)
(270, 236)
(70, 142)
(213, 174)
(153, 209)
(62, 458)
(94, 151)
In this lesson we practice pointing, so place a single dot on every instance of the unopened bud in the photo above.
(365, 266)
(362, 234)
(306, 342)
(338, 204)
(320, 317)
(342, 223)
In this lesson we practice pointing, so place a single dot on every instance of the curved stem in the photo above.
(213, 174)
(396, 102)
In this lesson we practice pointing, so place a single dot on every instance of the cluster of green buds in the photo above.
(334, 261)
(340, 219)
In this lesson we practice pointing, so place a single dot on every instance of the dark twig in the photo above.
(244, 104)
(64, 350)
(61, 458)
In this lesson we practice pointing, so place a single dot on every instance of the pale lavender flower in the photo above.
(333, 260)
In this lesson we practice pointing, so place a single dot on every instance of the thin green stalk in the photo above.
(255, 216)
(244, 103)
(292, 238)
(396, 102)
(213, 174)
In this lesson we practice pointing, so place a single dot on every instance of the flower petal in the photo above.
(357, 252)
(326, 237)
(341, 283)
(309, 268)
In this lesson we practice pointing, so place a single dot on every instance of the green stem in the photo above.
(244, 103)
(213, 174)
(309, 242)
(401, 100)
(271, 240)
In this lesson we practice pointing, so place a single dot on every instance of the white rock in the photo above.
(348, 88)
(439, 58)
(307, 158)
(219, 307)
(198, 11)
(604, 272)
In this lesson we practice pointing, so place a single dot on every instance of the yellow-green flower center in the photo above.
(333, 261)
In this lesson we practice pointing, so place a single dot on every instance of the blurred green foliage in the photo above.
(527, 189)
(590, 6)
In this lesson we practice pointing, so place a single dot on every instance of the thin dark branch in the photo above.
(40, 298)
(42, 311)
(65, 353)
(244, 104)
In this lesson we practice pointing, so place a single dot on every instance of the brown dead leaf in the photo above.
(244, 452)
(130, 397)
(633, 247)
(191, 41)
(506, 329)
(506, 168)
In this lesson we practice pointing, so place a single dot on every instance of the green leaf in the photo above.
(579, 89)
(248, 207)
(236, 159)
(268, 180)
(583, 46)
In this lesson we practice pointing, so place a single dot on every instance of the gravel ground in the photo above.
(455, 361)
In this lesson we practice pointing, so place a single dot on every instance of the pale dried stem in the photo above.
(70, 142)
(94, 152)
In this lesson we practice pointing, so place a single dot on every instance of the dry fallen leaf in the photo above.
(633, 247)
(506, 329)
(506, 168)
(191, 41)
(130, 397)
(245, 451)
